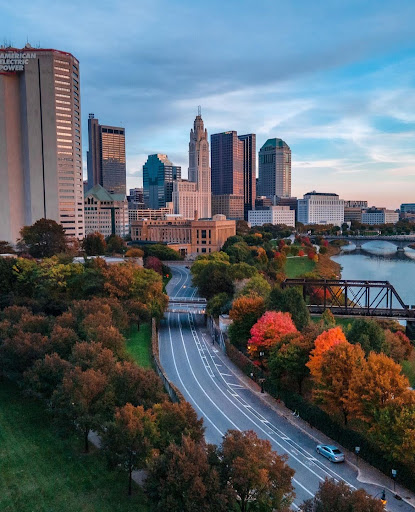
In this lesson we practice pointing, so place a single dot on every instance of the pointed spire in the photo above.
(199, 111)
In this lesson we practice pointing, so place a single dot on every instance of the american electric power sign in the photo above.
(15, 61)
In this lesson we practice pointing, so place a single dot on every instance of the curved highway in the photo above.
(211, 383)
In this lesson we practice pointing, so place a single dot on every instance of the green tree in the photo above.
(115, 245)
(94, 244)
(369, 334)
(259, 477)
(6, 247)
(219, 304)
(290, 301)
(128, 440)
(257, 285)
(43, 239)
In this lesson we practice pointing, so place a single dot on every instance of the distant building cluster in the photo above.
(41, 172)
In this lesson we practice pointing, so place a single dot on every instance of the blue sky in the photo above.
(335, 79)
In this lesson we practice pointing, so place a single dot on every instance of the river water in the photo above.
(380, 261)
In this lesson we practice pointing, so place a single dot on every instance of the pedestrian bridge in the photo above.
(400, 241)
(194, 305)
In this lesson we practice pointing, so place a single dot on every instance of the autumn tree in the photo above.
(369, 334)
(46, 375)
(268, 331)
(244, 313)
(62, 340)
(183, 479)
(94, 244)
(288, 358)
(83, 401)
(43, 239)
(257, 285)
(378, 384)
(134, 252)
(290, 301)
(115, 244)
(325, 341)
(128, 441)
(154, 263)
(338, 496)
(397, 345)
(175, 420)
(86, 355)
(334, 376)
(136, 385)
(257, 475)
(19, 352)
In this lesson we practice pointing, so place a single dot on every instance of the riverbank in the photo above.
(326, 268)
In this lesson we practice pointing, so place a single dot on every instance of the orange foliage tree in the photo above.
(325, 341)
(268, 331)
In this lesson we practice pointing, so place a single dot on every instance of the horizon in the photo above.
(342, 98)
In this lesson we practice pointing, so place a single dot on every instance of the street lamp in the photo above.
(261, 355)
(394, 474)
(357, 451)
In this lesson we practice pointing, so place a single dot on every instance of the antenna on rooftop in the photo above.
(199, 110)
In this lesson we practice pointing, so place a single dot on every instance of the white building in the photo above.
(374, 216)
(106, 213)
(321, 208)
(272, 215)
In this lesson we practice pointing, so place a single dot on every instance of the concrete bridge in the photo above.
(194, 305)
(400, 241)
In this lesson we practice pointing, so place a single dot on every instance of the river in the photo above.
(380, 261)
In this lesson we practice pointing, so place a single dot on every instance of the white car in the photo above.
(331, 452)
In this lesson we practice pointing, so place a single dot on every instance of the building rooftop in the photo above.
(314, 193)
(275, 143)
(101, 194)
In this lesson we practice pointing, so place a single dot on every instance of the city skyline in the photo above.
(324, 92)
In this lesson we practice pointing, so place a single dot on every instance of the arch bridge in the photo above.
(400, 241)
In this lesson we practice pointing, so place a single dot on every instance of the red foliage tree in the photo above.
(325, 341)
(154, 263)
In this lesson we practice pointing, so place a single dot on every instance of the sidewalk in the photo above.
(366, 473)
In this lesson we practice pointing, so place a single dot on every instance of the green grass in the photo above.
(139, 345)
(342, 322)
(296, 267)
(41, 472)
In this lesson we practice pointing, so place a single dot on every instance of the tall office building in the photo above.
(274, 169)
(192, 198)
(40, 140)
(158, 176)
(249, 168)
(321, 208)
(106, 157)
(227, 158)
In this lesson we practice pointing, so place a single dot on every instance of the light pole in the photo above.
(394, 474)
(357, 451)
(261, 355)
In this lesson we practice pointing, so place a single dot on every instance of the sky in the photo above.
(335, 79)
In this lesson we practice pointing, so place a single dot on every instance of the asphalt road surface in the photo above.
(208, 380)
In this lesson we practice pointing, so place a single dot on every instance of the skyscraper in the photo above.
(158, 176)
(274, 169)
(227, 156)
(40, 140)
(193, 197)
(249, 167)
(106, 156)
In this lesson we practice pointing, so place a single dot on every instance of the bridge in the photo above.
(351, 298)
(194, 305)
(400, 241)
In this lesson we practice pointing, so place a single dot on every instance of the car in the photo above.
(331, 452)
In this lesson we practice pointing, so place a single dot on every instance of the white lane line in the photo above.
(182, 383)
(292, 443)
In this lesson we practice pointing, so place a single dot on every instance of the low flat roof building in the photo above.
(374, 216)
(272, 215)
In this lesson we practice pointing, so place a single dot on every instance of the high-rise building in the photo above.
(192, 198)
(227, 157)
(106, 156)
(249, 169)
(321, 208)
(274, 169)
(158, 177)
(40, 140)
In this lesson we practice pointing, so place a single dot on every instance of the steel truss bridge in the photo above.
(195, 305)
(353, 298)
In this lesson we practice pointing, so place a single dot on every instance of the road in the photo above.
(210, 382)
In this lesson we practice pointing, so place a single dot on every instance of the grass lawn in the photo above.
(41, 472)
(342, 322)
(296, 267)
(139, 345)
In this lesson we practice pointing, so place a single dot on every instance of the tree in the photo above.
(6, 247)
(162, 252)
(83, 401)
(268, 331)
(397, 345)
(219, 304)
(290, 301)
(240, 271)
(175, 420)
(378, 384)
(62, 340)
(213, 278)
(333, 378)
(369, 334)
(257, 475)
(18, 353)
(134, 253)
(46, 375)
(325, 341)
(43, 239)
(154, 264)
(86, 355)
(183, 480)
(128, 441)
(115, 244)
(244, 313)
(257, 285)
(338, 496)
(289, 357)
(94, 244)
